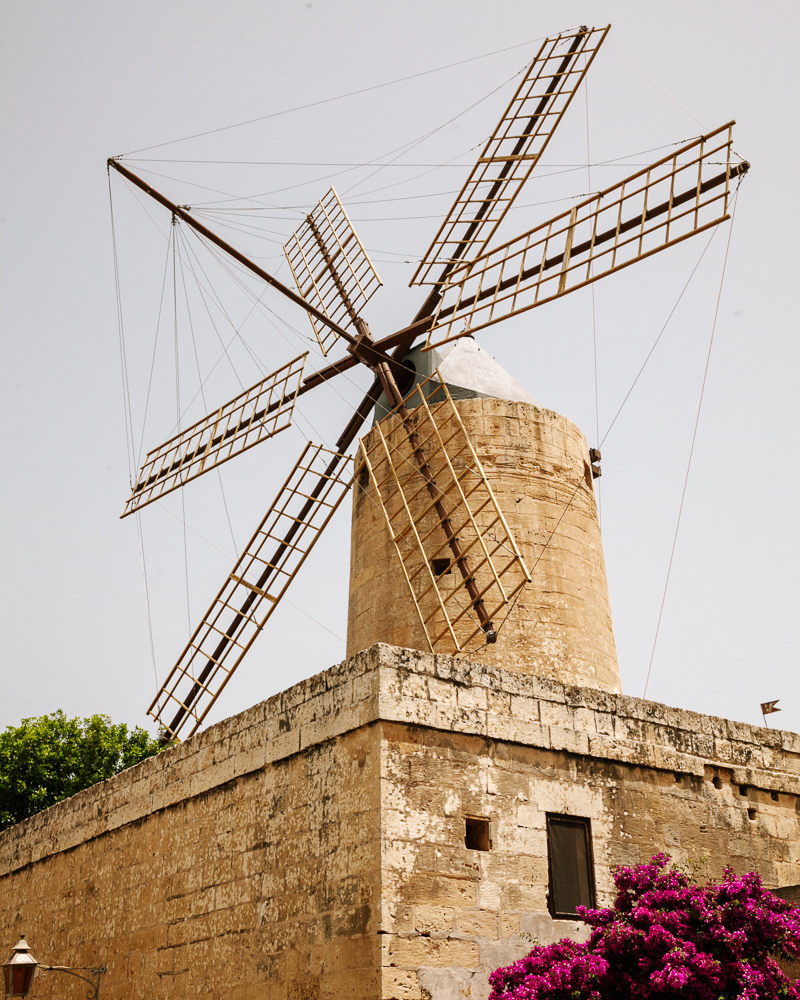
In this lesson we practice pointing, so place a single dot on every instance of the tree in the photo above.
(667, 937)
(49, 758)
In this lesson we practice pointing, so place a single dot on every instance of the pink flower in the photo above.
(665, 937)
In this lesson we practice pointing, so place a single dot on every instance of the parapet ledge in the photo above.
(387, 683)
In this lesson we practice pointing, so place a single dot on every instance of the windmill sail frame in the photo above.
(512, 151)
(415, 525)
(291, 527)
(258, 413)
(331, 268)
(562, 255)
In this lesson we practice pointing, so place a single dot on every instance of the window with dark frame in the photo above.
(571, 866)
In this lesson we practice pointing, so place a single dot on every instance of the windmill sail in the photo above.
(269, 563)
(416, 521)
(669, 201)
(512, 151)
(331, 268)
(258, 413)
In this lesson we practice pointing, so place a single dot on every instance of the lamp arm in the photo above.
(91, 994)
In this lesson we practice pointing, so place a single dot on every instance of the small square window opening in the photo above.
(440, 567)
(477, 834)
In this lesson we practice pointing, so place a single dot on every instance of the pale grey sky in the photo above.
(89, 79)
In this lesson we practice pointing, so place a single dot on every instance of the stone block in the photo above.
(525, 708)
(433, 920)
(448, 984)
(479, 923)
(490, 896)
(564, 738)
(509, 925)
(790, 742)
(583, 718)
(517, 731)
(400, 984)
(435, 952)
(460, 720)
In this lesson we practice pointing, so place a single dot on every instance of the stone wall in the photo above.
(480, 742)
(313, 846)
(242, 863)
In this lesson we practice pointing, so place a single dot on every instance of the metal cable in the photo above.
(129, 444)
(200, 381)
(153, 359)
(340, 97)
(661, 332)
(694, 439)
(178, 410)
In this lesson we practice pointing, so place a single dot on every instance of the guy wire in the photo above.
(129, 445)
(694, 439)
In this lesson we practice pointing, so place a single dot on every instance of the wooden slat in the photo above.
(331, 268)
(443, 605)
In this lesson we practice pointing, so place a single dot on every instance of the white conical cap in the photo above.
(467, 365)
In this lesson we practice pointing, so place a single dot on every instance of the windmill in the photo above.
(458, 557)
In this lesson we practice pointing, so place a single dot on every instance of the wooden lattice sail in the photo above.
(258, 413)
(424, 522)
(331, 268)
(512, 151)
(674, 198)
(300, 512)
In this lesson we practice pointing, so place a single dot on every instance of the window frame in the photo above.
(586, 822)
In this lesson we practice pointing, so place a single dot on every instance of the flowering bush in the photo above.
(667, 937)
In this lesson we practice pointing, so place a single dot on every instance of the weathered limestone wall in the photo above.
(242, 863)
(538, 464)
(313, 846)
(464, 910)
(481, 742)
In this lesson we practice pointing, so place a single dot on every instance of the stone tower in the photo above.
(538, 464)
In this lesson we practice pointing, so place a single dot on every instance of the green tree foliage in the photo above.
(46, 759)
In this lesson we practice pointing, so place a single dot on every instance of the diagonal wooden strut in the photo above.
(628, 221)
(271, 560)
(340, 288)
(367, 353)
(183, 213)
(512, 151)
(258, 413)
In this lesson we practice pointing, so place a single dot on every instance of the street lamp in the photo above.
(18, 972)
(19, 969)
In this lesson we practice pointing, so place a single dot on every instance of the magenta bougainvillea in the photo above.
(667, 937)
